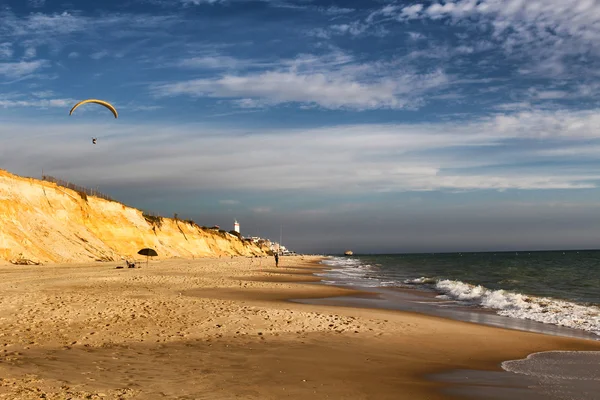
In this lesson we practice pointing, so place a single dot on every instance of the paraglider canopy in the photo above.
(101, 102)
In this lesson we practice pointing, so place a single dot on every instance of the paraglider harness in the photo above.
(94, 140)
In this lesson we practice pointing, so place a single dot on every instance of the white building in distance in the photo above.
(236, 226)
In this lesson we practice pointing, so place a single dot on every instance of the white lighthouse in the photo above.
(236, 226)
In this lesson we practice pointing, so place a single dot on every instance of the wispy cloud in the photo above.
(416, 35)
(482, 154)
(143, 107)
(229, 202)
(22, 68)
(334, 10)
(550, 33)
(53, 28)
(197, 2)
(39, 99)
(333, 81)
(6, 50)
(44, 94)
(189, 3)
(30, 52)
(214, 61)
(99, 54)
(36, 3)
(40, 25)
(37, 103)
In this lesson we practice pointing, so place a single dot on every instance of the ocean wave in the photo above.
(351, 271)
(420, 281)
(516, 305)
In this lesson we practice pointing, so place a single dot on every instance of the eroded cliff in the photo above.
(43, 222)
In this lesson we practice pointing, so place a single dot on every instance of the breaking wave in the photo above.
(352, 272)
(517, 305)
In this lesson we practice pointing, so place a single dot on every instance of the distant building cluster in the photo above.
(273, 246)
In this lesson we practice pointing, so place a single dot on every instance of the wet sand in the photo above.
(223, 329)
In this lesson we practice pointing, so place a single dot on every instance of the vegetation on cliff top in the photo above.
(155, 220)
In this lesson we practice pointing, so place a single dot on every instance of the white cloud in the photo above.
(571, 151)
(198, 2)
(39, 29)
(334, 81)
(250, 103)
(99, 54)
(37, 103)
(482, 154)
(30, 52)
(386, 12)
(416, 35)
(331, 92)
(42, 24)
(515, 106)
(6, 50)
(551, 94)
(334, 10)
(229, 202)
(44, 94)
(143, 107)
(411, 12)
(210, 62)
(73, 54)
(353, 28)
(36, 3)
(22, 68)
(547, 32)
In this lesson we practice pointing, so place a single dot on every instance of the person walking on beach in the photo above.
(276, 260)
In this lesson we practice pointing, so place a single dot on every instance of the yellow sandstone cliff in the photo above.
(43, 222)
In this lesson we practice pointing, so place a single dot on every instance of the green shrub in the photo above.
(235, 233)
(154, 220)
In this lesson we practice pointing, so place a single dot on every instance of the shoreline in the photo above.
(408, 299)
(219, 328)
(472, 382)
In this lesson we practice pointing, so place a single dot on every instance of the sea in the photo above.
(552, 287)
(552, 292)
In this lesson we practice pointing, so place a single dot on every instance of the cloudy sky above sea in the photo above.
(378, 126)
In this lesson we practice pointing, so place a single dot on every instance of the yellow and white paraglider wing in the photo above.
(101, 102)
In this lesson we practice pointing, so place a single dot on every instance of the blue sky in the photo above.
(428, 126)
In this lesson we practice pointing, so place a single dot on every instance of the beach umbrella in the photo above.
(148, 253)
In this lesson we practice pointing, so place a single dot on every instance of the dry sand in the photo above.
(221, 329)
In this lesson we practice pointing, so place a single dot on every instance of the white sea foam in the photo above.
(350, 271)
(420, 281)
(562, 375)
(516, 305)
(572, 365)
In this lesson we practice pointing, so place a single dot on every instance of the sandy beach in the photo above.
(222, 328)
